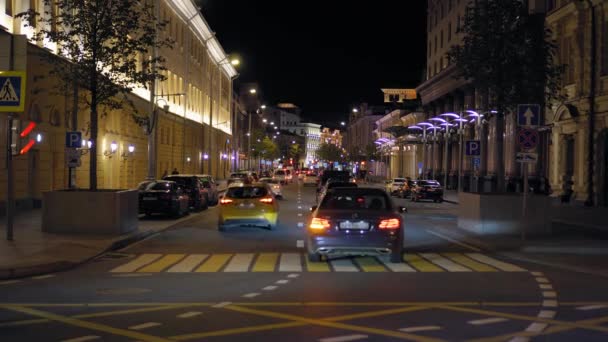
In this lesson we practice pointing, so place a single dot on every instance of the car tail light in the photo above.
(319, 224)
(267, 200)
(226, 201)
(390, 224)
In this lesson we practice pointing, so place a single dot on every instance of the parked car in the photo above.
(427, 189)
(194, 188)
(355, 221)
(248, 205)
(162, 197)
(210, 187)
(406, 189)
(274, 186)
(393, 185)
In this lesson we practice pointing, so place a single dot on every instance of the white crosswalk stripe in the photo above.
(343, 265)
(239, 263)
(395, 266)
(188, 263)
(503, 266)
(290, 262)
(444, 263)
(139, 262)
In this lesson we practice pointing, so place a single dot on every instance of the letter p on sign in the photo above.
(73, 139)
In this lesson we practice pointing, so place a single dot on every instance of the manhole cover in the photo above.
(125, 291)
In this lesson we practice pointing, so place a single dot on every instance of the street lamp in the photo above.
(252, 91)
(263, 107)
(355, 110)
(343, 123)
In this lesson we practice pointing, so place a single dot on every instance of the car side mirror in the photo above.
(313, 208)
(403, 210)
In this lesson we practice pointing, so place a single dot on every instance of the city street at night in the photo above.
(194, 283)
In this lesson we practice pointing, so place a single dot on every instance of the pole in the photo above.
(423, 152)
(249, 143)
(445, 158)
(10, 188)
(151, 129)
(524, 203)
(209, 140)
(460, 133)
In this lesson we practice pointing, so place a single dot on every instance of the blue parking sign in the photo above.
(73, 139)
(473, 148)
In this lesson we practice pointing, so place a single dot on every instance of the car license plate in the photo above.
(149, 198)
(246, 205)
(354, 225)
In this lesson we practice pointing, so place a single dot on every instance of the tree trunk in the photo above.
(500, 152)
(93, 153)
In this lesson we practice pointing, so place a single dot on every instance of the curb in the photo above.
(62, 266)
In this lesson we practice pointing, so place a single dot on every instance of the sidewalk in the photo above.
(33, 252)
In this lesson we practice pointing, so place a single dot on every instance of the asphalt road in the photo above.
(193, 283)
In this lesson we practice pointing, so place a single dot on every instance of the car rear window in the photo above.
(183, 181)
(247, 192)
(279, 173)
(399, 180)
(341, 185)
(238, 175)
(423, 183)
(269, 180)
(355, 200)
(160, 186)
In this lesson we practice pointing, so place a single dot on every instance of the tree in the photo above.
(105, 45)
(294, 151)
(508, 54)
(329, 152)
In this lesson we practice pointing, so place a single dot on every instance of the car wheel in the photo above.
(314, 257)
(205, 205)
(221, 228)
(397, 256)
(440, 200)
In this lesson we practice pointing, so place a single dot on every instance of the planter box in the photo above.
(108, 212)
(500, 213)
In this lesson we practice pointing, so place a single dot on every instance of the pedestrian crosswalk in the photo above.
(298, 262)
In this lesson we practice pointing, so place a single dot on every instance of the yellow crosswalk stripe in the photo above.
(265, 262)
(369, 264)
(317, 266)
(420, 264)
(162, 263)
(470, 263)
(214, 263)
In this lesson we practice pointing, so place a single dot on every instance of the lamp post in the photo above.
(440, 120)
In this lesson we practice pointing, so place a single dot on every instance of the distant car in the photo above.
(274, 186)
(406, 189)
(427, 189)
(327, 174)
(355, 221)
(239, 177)
(265, 174)
(248, 205)
(210, 188)
(310, 180)
(334, 183)
(194, 188)
(281, 176)
(162, 197)
(393, 185)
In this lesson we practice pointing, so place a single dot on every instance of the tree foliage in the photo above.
(105, 45)
(329, 152)
(263, 147)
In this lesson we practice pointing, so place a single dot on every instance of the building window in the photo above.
(449, 31)
(441, 39)
(605, 48)
(430, 49)
(550, 5)
(9, 8)
(435, 44)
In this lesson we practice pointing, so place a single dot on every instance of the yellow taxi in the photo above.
(251, 205)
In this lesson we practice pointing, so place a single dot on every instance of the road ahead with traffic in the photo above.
(195, 283)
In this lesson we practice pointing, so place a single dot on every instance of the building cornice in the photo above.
(558, 14)
(440, 85)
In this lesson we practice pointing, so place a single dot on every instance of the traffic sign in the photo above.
(72, 157)
(476, 163)
(527, 138)
(524, 157)
(528, 115)
(12, 91)
(73, 139)
(473, 148)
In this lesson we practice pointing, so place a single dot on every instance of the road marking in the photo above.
(290, 262)
(188, 264)
(536, 327)
(145, 326)
(47, 276)
(162, 263)
(82, 339)
(549, 294)
(503, 266)
(345, 338)
(470, 263)
(139, 262)
(87, 324)
(591, 307)
(519, 339)
(444, 263)
(542, 280)
(369, 264)
(295, 275)
(282, 281)
(8, 282)
(487, 321)
(221, 305)
(317, 266)
(270, 288)
(299, 214)
(251, 295)
(214, 263)
(265, 262)
(395, 266)
(547, 314)
(239, 263)
(550, 303)
(190, 314)
(300, 224)
(420, 264)
(299, 207)
(343, 265)
(537, 274)
(300, 243)
(417, 329)
(546, 286)
(462, 244)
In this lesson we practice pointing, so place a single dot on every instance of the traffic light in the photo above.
(21, 142)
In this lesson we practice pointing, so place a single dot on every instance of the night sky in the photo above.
(324, 56)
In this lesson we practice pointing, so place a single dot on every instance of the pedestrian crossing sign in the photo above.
(12, 91)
